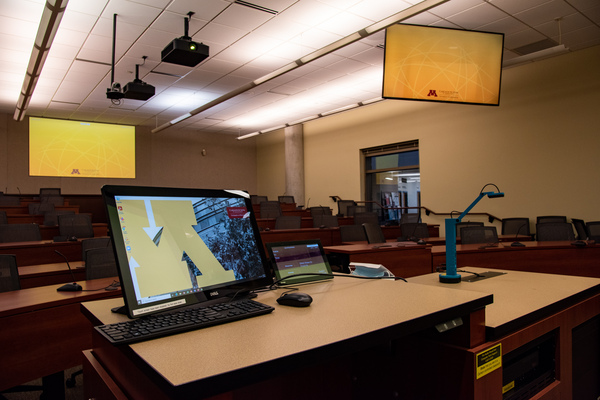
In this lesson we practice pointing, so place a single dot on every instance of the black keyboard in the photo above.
(186, 319)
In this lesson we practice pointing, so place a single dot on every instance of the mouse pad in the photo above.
(298, 257)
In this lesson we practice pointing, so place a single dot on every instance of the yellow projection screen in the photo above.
(80, 149)
(441, 64)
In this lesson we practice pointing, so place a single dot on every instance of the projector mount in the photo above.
(114, 92)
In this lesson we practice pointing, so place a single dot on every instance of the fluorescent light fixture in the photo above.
(179, 119)
(538, 55)
(49, 23)
(248, 136)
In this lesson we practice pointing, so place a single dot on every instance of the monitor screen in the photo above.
(80, 149)
(298, 257)
(442, 64)
(176, 247)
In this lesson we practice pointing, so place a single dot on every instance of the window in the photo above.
(393, 180)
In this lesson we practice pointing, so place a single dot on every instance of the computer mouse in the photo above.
(295, 299)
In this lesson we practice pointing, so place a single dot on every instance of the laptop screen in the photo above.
(299, 257)
(176, 247)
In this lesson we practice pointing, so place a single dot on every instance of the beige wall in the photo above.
(170, 158)
(540, 146)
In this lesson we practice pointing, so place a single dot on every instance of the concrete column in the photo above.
(294, 163)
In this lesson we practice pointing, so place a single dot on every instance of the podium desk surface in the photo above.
(346, 315)
(520, 298)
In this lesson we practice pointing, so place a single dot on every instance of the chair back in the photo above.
(580, 228)
(411, 230)
(593, 230)
(9, 273)
(93, 243)
(374, 233)
(75, 225)
(343, 206)
(410, 218)
(20, 233)
(286, 199)
(551, 218)
(478, 234)
(100, 263)
(320, 210)
(352, 233)
(514, 226)
(288, 222)
(326, 221)
(3, 217)
(40, 208)
(49, 191)
(549, 231)
(368, 217)
(352, 210)
(51, 217)
(461, 225)
(270, 209)
(52, 199)
(255, 199)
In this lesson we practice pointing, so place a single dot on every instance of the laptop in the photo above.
(298, 257)
(176, 247)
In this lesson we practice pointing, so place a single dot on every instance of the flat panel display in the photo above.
(440, 64)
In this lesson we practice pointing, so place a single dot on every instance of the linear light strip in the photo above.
(47, 29)
(371, 29)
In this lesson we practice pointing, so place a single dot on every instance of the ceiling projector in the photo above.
(138, 90)
(183, 50)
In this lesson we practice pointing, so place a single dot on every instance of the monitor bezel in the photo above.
(238, 288)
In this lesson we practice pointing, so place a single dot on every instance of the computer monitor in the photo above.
(176, 247)
(299, 257)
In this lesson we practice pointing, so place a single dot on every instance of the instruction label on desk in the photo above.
(488, 361)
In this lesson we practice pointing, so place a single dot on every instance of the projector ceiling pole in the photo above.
(363, 33)
(114, 42)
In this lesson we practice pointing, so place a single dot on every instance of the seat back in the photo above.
(593, 230)
(374, 233)
(40, 208)
(326, 221)
(410, 218)
(288, 222)
(343, 206)
(270, 209)
(100, 263)
(75, 225)
(20, 233)
(368, 217)
(580, 228)
(286, 199)
(255, 199)
(461, 225)
(3, 217)
(93, 243)
(352, 233)
(320, 210)
(548, 231)
(514, 226)
(551, 218)
(9, 273)
(414, 230)
(478, 234)
(51, 217)
(352, 210)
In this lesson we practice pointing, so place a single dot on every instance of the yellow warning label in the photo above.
(488, 360)
(508, 387)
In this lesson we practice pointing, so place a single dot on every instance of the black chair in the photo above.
(593, 230)
(514, 226)
(414, 230)
(3, 217)
(548, 231)
(352, 210)
(551, 218)
(374, 233)
(325, 221)
(20, 233)
(461, 225)
(49, 191)
(478, 234)
(100, 263)
(75, 225)
(255, 199)
(286, 199)
(270, 209)
(288, 222)
(9, 273)
(368, 217)
(40, 208)
(10, 201)
(51, 217)
(410, 218)
(93, 243)
(352, 233)
(320, 210)
(580, 228)
(343, 207)
(52, 199)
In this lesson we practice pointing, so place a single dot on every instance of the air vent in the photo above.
(535, 47)
(256, 7)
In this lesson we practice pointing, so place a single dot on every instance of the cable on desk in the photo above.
(272, 286)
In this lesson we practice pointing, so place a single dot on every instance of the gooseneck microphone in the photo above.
(516, 243)
(68, 287)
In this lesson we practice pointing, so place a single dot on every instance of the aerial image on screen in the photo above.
(177, 246)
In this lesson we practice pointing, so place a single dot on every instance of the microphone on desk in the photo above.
(68, 287)
(516, 243)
